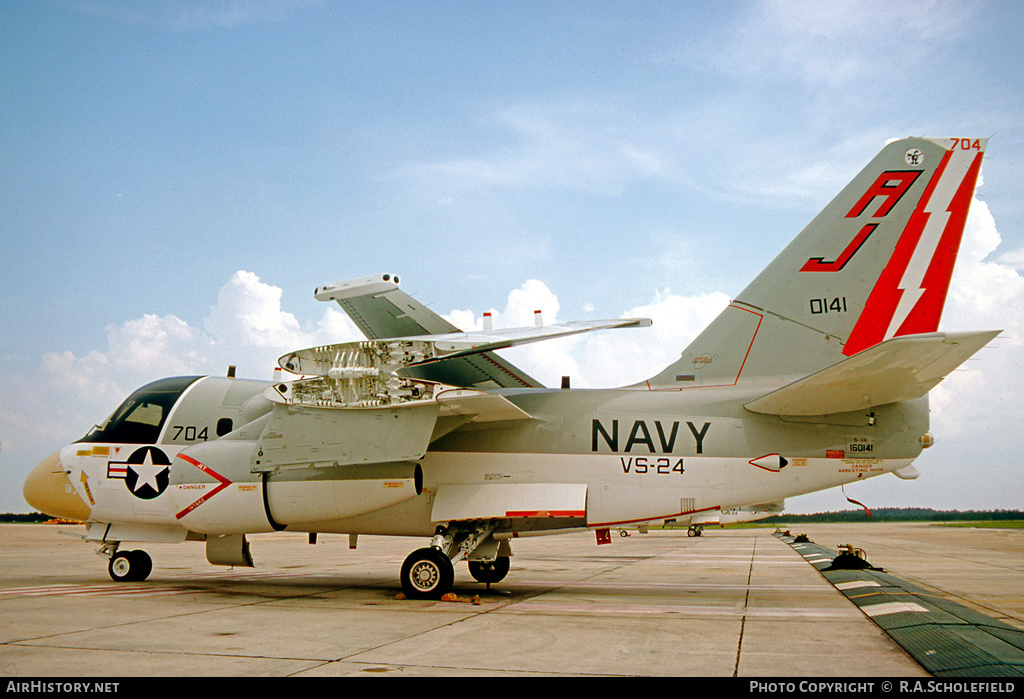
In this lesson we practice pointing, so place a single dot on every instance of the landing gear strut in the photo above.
(695, 530)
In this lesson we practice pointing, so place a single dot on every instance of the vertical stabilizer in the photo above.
(873, 265)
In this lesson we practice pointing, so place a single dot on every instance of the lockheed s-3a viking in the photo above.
(816, 375)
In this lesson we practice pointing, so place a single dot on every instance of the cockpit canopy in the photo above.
(139, 419)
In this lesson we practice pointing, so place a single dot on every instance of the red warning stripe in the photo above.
(224, 483)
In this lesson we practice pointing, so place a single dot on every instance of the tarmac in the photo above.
(732, 603)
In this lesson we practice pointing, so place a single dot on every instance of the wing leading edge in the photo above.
(421, 350)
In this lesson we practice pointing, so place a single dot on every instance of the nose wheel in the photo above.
(130, 566)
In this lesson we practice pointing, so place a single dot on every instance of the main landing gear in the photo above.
(428, 573)
(127, 566)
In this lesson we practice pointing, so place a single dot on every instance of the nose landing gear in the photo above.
(129, 566)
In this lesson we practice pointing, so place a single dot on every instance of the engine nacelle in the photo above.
(217, 491)
(300, 496)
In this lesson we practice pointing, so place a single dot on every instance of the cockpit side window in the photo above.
(140, 417)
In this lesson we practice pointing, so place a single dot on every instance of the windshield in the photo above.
(138, 420)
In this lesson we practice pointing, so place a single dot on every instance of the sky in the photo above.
(177, 177)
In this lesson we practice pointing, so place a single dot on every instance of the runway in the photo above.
(733, 603)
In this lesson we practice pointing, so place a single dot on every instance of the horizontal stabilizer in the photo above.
(902, 368)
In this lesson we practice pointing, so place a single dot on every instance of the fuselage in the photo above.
(643, 456)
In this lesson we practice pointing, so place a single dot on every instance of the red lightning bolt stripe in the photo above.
(925, 288)
(224, 483)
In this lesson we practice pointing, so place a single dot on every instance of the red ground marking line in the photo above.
(90, 591)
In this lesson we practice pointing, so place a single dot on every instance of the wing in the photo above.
(350, 377)
(338, 419)
(393, 354)
(381, 310)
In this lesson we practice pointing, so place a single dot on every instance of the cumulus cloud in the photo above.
(1012, 258)
(625, 357)
(68, 393)
(984, 295)
(602, 359)
(248, 314)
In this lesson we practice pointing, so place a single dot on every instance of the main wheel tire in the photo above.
(427, 574)
(489, 571)
(143, 564)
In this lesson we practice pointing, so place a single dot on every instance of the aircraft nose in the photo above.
(48, 490)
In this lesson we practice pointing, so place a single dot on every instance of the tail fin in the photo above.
(873, 265)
